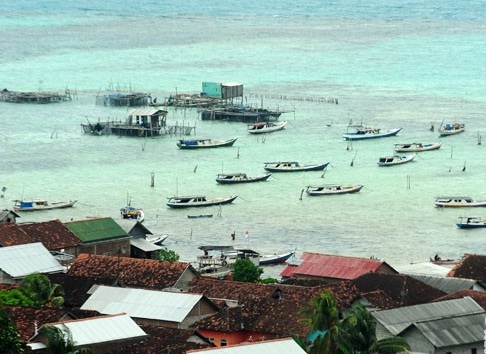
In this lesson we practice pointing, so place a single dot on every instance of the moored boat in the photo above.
(204, 143)
(292, 166)
(362, 132)
(129, 212)
(265, 127)
(458, 202)
(451, 129)
(471, 222)
(41, 204)
(198, 201)
(233, 178)
(156, 240)
(332, 189)
(417, 147)
(395, 160)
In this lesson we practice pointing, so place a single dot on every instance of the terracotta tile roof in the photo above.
(53, 234)
(333, 266)
(478, 296)
(271, 308)
(163, 340)
(472, 266)
(402, 289)
(133, 272)
(26, 318)
(380, 300)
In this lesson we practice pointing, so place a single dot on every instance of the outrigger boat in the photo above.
(265, 127)
(198, 201)
(292, 167)
(41, 204)
(332, 189)
(233, 178)
(417, 147)
(471, 222)
(204, 143)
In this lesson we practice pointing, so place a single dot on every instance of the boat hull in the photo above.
(358, 136)
(395, 160)
(416, 147)
(246, 179)
(296, 168)
(211, 202)
(204, 144)
(324, 190)
(262, 128)
(50, 206)
(275, 259)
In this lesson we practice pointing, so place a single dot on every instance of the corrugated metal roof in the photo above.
(446, 284)
(397, 320)
(339, 267)
(144, 245)
(140, 303)
(90, 230)
(287, 346)
(453, 331)
(94, 330)
(21, 260)
(145, 112)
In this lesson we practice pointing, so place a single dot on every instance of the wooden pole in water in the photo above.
(152, 179)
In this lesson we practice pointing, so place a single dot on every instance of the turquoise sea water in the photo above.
(390, 63)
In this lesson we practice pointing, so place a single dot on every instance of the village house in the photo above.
(141, 245)
(151, 307)
(450, 326)
(284, 345)
(331, 268)
(472, 266)
(8, 216)
(248, 310)
(16, 262)
(102, 236)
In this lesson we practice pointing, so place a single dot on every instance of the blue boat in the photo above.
(362, 132)
(204, 143)
(471, 222)
(293, 166)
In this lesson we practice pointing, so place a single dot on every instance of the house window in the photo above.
(224, 343)
(474, 351)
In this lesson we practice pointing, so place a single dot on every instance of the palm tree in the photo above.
(60, 341)
(39, 288)
(355, 333)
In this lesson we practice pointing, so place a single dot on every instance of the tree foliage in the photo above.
(167, 255)
(10, 342)
(15, 297)
(245, 271)
(60, 341)
(354, 334)
(40, 289)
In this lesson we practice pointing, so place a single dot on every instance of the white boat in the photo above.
(416, 147)
(156, 240)
(204, 143)
(265, 127)
(332, 189)
(458, 202)
(451, 129)
(233, 178)
(362, 132)
(198, 201)
(471, 222)
(41, 204)
(293, 166)
(395, 160)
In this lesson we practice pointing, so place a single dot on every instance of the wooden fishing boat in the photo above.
(332, 189)
(204, 143)
(41, 204)
(471, 222)
(416, 147)
(129, 212)
(395, 160)
(265, 127)
(157, 240)
(292, 166)
(198, 201)
(451, 129)
(458, 202)
(233, 178)
(200, 216)
(362, 132)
